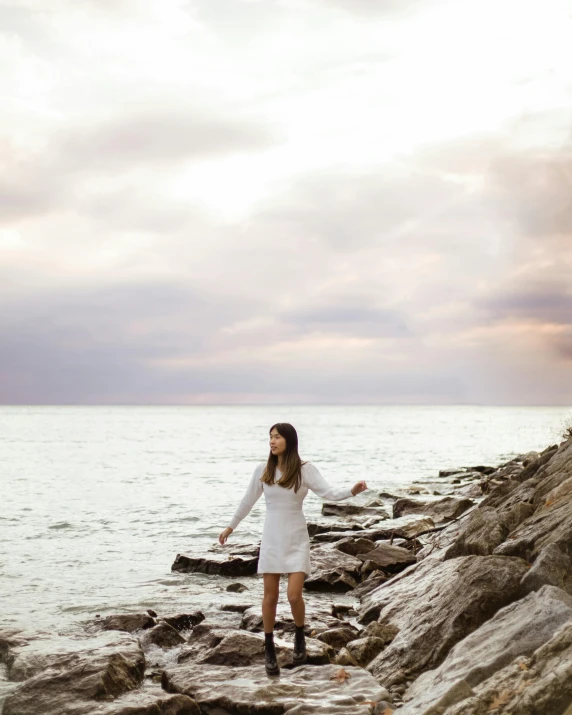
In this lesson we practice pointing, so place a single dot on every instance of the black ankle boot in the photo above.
(271, 663)
(299, 646)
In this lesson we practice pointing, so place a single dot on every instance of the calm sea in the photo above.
(95, 502)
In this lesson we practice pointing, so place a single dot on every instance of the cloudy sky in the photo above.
(301, 201)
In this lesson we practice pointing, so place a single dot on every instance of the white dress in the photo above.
(285, 546)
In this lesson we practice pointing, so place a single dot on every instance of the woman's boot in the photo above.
(271, 663)
(299, 646)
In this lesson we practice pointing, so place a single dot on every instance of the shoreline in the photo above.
(371, 561)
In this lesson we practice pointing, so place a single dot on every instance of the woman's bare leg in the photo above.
(270, 600)
(295, 585)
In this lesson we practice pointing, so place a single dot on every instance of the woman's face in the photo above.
(277, 443)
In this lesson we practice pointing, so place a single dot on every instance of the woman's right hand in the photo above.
(224, 535)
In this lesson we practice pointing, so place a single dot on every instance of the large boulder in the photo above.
(307, 690)
(63, 675)
(388, 558)
(332, 570)
(553, 567)
(536, 685)
(434, 605)
(516, 630)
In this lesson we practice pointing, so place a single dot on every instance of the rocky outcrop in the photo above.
(516, 630)
(307, 690)
(222, 561)
(434, 606)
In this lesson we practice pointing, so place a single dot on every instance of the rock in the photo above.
(484, 529)
(307, 690)
(332, 570)
(162, 635)
(345, 509)
(129, 622)
(385, 631)
(364, 650)
(184, 621)
(235, 607)
(152, 613)
(405, 527)
(67, 676)
(338, 637)
(516, 630)
(440, 510)
(222, 563)
(353, 546)
(236, 587)
(434, 605)
(551, 567)
(541, 684)
(316, 619)
(389, 558)
(452, 472)
(375, 579)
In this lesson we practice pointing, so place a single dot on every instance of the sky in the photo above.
(286, 201)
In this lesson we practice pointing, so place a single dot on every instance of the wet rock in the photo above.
(516, 630)
(236, 587)
(440, 510)
(162, 635)
(375, 579)
(235, 607)
(540, 684)
(317, 619)
(129, 622)
(435, 605)
(552, 567)
(364, 650)
(389, 558)
(221, 562)
(353, 546)
(60, 673)
(307, 690)
(345, 509)
(184, 621)
(338, 637)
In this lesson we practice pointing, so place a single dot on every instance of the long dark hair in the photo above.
(292, 473)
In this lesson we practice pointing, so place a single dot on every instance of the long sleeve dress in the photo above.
(285, 545)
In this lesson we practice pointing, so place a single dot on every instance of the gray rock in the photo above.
(364, 650)
(338, 637)
(551, 567)
(307, 690)
(440, 510)
(536, 685)
(332, 570)
(345, 509)
(435, 605)
(236, 587)
(162, 635)
(221, 561)
(388, 558)
(184, 621)
(516, 630)
(129, 622)
(64, 675)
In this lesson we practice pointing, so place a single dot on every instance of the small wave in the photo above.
(61, 525)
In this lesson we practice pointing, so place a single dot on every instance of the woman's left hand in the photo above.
(359, 487)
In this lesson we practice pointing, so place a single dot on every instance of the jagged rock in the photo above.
(332, 570)
(440, 510)
(389, 558)
(317, 619)
(539, 685)
(364, 650)
(345, 509)
(484, 529)
(236, 587)
(66, 676)
(129, 622)
(221, 561)
(184, 621)
(375, 579)
(353, 546)
(162, 635)
(338, 637)
(551, 567)
(235, 607)
(516, 630)
(405, 527)
(434, 605)
(307, 690)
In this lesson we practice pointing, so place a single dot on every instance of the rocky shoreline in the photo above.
(452, 597)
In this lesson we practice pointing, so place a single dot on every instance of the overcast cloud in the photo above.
(256, 201)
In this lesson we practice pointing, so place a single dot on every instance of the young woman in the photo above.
(285, 548)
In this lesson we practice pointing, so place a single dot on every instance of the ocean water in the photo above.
(95, 502)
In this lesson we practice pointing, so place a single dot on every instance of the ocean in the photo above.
(95, 502)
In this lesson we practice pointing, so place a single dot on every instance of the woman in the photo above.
(285, 546)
